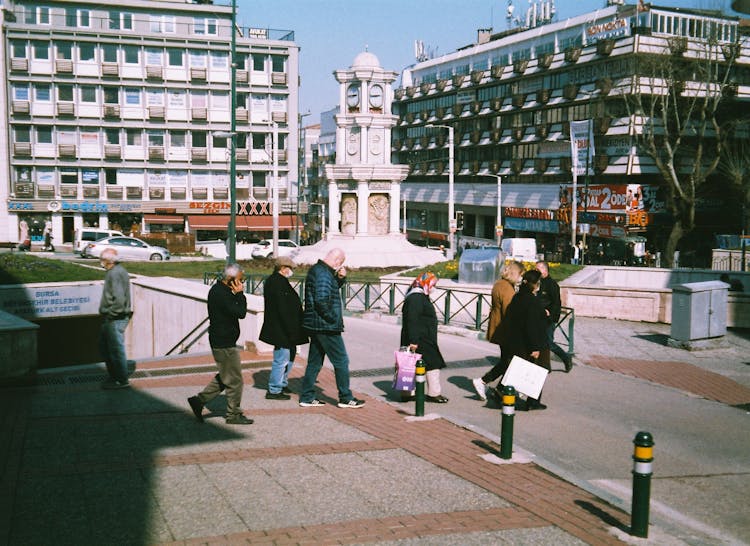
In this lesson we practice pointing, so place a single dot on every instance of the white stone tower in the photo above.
(364, 188)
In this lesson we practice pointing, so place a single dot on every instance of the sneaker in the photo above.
(312, 403)
(353, 403)
(277, 396)
(239, 419)
(480, 387)
(112, 384)
(197, 406)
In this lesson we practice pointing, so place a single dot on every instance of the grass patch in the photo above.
(22, 268)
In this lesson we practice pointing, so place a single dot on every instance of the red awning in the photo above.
(219, 222)
(163, 219)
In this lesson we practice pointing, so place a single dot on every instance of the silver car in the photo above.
(128, 248)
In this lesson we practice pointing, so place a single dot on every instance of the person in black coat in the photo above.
(549, 294)
(419, 333)
(282, 326)
(523, 331)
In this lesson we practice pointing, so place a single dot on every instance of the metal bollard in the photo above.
(419, 379)
(506, 426)
(642, 471)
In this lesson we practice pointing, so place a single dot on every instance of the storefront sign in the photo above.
(210, 207)
(540, 226)
(31, 302)
(537, 214)
(618, 197)
(255, 208)
(607, 232)
(616, 28)
(99, 206)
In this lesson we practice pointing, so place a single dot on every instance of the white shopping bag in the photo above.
(524, 376)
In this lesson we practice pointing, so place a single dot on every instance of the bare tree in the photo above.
(676, 103)
(735, 166)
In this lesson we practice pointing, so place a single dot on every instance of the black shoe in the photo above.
(568, 361)
(287, 390)
(277, 396)
(197, 406)
(439, 399)
(239, 419)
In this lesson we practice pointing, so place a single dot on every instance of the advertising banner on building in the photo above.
(582, 146)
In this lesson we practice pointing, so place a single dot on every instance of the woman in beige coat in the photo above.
(502, 293)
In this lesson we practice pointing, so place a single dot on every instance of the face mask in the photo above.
(287, 273)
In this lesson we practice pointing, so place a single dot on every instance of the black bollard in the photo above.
(643, 457)
(419, 379)
(506, 426)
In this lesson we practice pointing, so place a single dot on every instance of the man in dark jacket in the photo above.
(282, 326)
(549, 294)
(226, 306)
(323, 320)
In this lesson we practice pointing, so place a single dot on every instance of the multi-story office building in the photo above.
(119, 115)
(509, 99)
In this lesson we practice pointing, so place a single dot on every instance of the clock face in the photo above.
(376, 96)
(352, 96)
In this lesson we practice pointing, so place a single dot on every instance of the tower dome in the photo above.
(365, 60)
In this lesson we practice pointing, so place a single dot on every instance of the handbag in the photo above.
(406, 364)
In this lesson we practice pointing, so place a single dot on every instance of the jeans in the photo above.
(283, 360)
(112, 348)
(554, 347)
(331, 345)
(229, 378)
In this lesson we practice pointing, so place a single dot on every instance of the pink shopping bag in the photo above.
(406, 363)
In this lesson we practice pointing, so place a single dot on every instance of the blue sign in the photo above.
(527, 224)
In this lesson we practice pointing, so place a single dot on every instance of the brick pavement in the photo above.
(678, 375)
(536, 499)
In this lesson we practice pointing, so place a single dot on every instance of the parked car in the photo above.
(128, 248)
(264, 249)
(88, 235)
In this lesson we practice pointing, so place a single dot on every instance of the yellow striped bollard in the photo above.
(419, 379)
(643, 457)
(506, 426)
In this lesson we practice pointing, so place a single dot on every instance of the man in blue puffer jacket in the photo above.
(323, 320)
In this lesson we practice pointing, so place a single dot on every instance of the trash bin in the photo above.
(699, 310)
(480, 266)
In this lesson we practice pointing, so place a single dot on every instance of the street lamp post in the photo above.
(275, 190)
(499, 225)
(451, 203)
(231, 137)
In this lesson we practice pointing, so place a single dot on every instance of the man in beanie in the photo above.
(282, 326)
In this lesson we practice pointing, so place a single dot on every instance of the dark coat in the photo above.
(282, 321)
(323, 311)
(549, 295)
(224, 311)
(524, 328)
(419, 327)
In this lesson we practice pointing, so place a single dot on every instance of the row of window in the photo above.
(43, 176)
(75, 17)
(44, 134)
(94, 52)
(140, 96)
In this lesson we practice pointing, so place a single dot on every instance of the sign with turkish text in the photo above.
(51, 301)
(615, 198)
(582, 146)
(603, 30)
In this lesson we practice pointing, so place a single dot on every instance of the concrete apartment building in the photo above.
(510, 98)
(115, 114)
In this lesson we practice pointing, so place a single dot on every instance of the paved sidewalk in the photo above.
(86, 466)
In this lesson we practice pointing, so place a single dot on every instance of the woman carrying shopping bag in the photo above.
(419, 332)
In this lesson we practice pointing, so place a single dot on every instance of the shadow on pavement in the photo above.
(90, 466)
(606, 517)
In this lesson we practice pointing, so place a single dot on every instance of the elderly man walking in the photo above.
(226, 306)
(115, 311)
(323, 320)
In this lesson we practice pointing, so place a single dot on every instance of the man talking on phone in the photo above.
(226, 306)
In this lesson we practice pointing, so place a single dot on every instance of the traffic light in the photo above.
(459, 219)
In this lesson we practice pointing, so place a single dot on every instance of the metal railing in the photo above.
(463, 308)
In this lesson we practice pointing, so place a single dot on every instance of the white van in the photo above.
(88, 235)
(521, 249)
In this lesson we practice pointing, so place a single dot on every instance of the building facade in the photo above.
(118, 116)
(510, 99)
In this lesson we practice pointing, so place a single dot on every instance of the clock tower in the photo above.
(364, 188)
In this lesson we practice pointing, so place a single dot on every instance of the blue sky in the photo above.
(331, 33)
